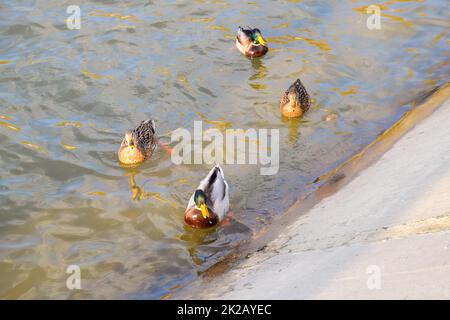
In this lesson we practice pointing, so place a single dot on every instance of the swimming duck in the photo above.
(138, 144)
(295, 102)
(210, 202)
(251, 43)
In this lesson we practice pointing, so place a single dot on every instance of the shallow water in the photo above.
(67, 96)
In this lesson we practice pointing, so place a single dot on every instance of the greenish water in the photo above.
(67, 96)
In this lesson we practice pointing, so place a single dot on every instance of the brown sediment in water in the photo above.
(331, 182)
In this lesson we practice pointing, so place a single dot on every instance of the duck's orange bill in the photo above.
(204, 209)
(260, 40)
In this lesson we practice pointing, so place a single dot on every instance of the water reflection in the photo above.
(137, 193)
(293, 125)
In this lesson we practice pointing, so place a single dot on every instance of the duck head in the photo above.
(200, 203)
(129, 151)
(257, 37)
(200, 216)
(292, 108)
(251, 43)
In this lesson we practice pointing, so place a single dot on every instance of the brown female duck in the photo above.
(295, 101)
(250, 42)
(138, 144)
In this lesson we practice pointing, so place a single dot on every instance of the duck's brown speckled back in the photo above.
(144, 136)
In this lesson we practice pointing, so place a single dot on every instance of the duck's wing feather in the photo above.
(284, 99)
(222, 206)
(303, 95)
(145, 135)
(244, 36)
(205, 187)
(218, 192)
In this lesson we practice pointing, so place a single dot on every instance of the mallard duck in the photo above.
(251, 43)
(295, 102)
(210, 202)
(138, 144)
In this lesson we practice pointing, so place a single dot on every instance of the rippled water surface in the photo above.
(67, 96)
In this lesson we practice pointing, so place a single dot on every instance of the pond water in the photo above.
(67, 97)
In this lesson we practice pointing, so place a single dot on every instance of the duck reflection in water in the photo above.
(260, 70)
(137, 192)
(203, 244)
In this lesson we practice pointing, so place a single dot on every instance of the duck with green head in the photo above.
(210, 202)
(250, 42)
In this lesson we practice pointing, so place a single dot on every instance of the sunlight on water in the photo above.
(68, 96)
(9, 126)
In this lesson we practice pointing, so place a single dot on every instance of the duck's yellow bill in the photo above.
(204, 210)
(260, 40)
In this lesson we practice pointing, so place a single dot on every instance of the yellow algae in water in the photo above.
(69, 124)
(34, 146)
(9, 126)
(398, 19)
(275, 50)
(163, 71)
(430, 82)
(437, 38)
(383, 8)
(258, 86)
(281, 25)
(389, 2)
(97, 193)
(129, 17)
(221, 28)
(204, 20)
(296, 50)
(167, 296)
(282, 39)
(96, 75)
(411, 50)
(123, 26)
(363, 9)
(184, 181)
(5, 61)
(182, 78)
(223, 3)
(349, 91)
(411, 73)
(68, 146)
(343, 133)
(157, 195)
(181, 181)
(217, 124)
(321, 44)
